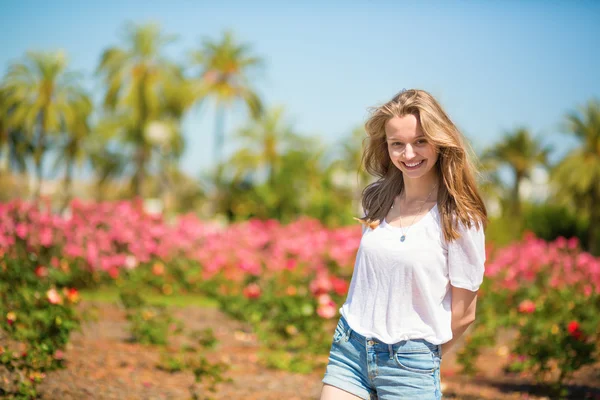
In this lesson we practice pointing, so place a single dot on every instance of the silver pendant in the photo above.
(402, 238)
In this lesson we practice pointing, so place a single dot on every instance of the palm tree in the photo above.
(42, 96)
(262, 143)
(6, 158)
(578, 174)
(350, 161)
(520, 152)
(139, 81)
(224, 68)
(73, 151)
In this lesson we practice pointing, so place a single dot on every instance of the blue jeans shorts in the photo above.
(370, 369)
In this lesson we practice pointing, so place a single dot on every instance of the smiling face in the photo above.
(408, 147)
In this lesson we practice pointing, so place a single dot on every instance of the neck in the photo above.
(419, 189)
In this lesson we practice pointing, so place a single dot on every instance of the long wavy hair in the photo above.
(458, 199)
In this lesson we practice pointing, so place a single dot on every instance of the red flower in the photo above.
(573, 327)
(113, 273)
(252, 291)
(41, 271)
(340, 286)
(527, 307)
(574, 330)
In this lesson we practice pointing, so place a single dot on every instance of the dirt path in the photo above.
(103, 365)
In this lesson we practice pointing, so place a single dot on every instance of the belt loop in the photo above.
(390, 348)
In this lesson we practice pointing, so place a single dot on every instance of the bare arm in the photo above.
(463, 314)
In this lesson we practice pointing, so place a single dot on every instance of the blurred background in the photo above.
(236, 109)
(232, 120)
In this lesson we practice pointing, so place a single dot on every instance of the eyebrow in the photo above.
(392, 139)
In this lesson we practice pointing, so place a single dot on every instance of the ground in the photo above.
(103, 364)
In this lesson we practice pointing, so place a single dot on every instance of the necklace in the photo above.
(403, 237)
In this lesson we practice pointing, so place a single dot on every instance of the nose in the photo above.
(409, 152)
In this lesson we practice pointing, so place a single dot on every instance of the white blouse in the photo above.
(401, 290)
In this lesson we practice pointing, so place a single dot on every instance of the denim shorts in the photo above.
(370, 369)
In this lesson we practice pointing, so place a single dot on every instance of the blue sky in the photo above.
(493, 65)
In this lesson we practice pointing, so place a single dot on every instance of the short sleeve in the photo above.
(466, 258)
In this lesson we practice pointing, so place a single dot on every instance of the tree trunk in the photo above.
(140, 170)
(141, 155)
(516, 195)
(38, 154)
(67, 185)
(219, 132)
(38, 163)
(219, 142)
(594, 232)
(4, 157)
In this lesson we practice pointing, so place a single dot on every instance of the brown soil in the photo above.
(103, 364)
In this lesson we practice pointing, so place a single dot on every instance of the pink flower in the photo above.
(327, 310)
(324, 299)
(291, 264)
(59, 355)
(21, 230)
(46, 237)
(252, 291)
(54, 297)
(321, 284)
(251, 267)
(527, 307)
(572, 243)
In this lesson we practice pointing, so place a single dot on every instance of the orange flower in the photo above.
(71, 294)
(291, 290)
(11, 317)
(158, 269)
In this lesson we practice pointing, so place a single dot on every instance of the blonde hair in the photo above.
(459, 201)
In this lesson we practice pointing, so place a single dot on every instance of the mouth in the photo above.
(413, 166)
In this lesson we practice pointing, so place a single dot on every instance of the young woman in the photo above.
(420, 261)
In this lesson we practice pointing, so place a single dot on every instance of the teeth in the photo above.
(413, 165)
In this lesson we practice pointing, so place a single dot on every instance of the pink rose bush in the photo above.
(549, 294)
(289, 281)
(275, 276)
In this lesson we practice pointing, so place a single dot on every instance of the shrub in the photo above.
(549, 294)
(37, 318)
(549, 222)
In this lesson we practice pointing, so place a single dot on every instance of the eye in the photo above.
(422, 141)
(396, 143)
